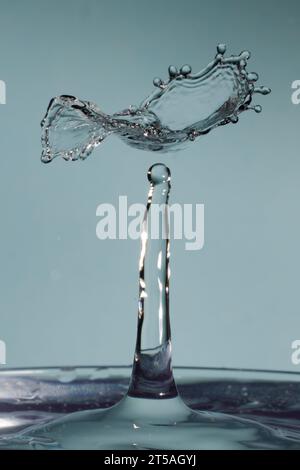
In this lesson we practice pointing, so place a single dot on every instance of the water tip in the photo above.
(263, 90)
(252, 77)
(173, 71)
(221, 49)
(186, 69)
(46, 158)
(159, 173)
(246, 55)
(157, 82)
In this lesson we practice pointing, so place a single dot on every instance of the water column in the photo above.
(152, 375)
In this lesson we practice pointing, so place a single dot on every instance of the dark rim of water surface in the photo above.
(200, 369)
(35, 394)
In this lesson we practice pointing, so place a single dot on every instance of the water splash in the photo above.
(152, 415)
(182, 108)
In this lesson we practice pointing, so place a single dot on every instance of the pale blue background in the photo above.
(68, 298)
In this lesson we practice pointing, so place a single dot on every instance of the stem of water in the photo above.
(152, 375)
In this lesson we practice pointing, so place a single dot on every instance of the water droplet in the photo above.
(234, 119)
(159, 174)
(186, 69)
(157, 82)
(173, 71)
(221, 49)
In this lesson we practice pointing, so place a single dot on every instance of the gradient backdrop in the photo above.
(68, 298)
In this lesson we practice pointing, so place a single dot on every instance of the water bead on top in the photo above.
(181, 108)
(159, 174)
(221, 49)
(173, 71)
